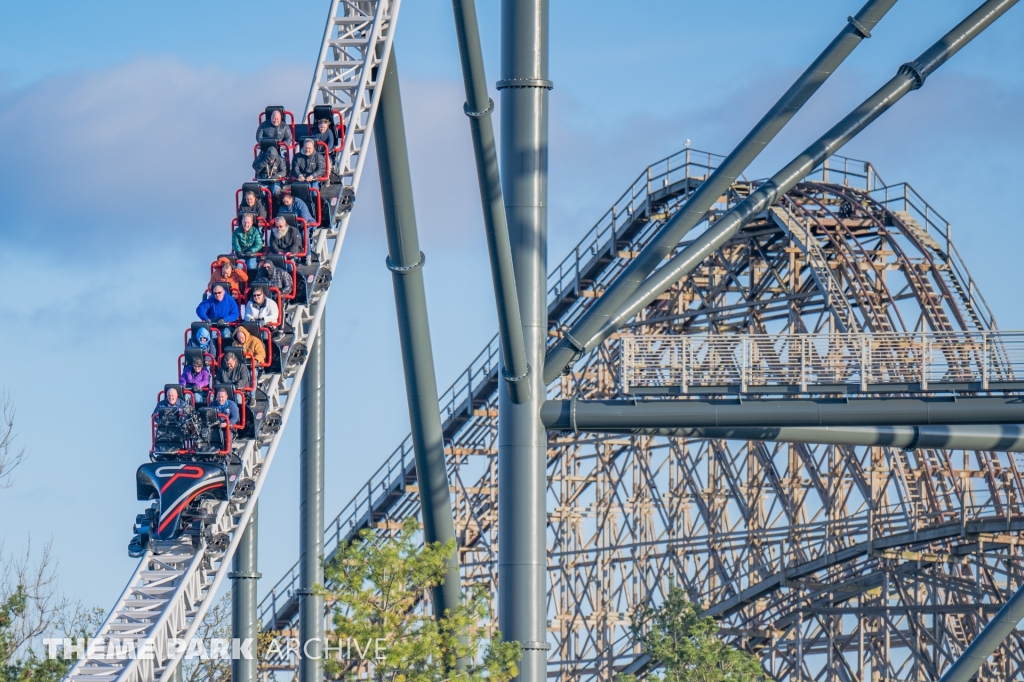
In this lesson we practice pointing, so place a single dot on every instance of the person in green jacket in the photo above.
(247, 240)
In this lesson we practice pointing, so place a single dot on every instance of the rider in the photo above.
(224, 270)
(219, 307)
(275, 128)
(234, 372)
(309, 164)
(224, 405)
(247, 239)
(294, 205)
(261, 308)
(251, 344)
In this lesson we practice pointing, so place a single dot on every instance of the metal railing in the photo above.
(767, 363)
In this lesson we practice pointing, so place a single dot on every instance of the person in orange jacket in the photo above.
(224, 270)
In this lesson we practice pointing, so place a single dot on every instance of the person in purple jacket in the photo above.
(196, 376)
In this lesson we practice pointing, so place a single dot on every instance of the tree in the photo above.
(687, 646)
(9, 457)
(377, 587)
(30, 605)
(216, 624)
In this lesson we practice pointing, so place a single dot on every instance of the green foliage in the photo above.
(377, 584)
(32, 665)
(687, 646)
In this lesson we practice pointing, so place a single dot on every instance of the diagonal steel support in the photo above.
(405, 260)
(577, 340)
(910, 76)
(515, 367)
(617, 415)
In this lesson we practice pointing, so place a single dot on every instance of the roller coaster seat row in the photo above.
(203, 421)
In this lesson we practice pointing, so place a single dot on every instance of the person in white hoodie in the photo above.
(261, 307)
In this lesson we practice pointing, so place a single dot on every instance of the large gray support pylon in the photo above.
(405, 260)
(244, 624)
(522, 438)
(993, 437)
(910, 76)
(311, 514)
(618, 415)
(988, 640)
(515, 367)
(577, 340)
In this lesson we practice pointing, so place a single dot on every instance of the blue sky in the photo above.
(129, 125)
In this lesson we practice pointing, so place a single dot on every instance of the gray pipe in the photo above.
(661, 245)
(479, 106)
(988, 640)
(522, 439)
(910, 76)
(243, 598)
(405, 260)
(616, 415)
(311, 514)
(991, 437)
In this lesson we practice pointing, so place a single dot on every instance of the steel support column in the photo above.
(244, 624)
(988, 640)
(405, 260)
(311, 514)
(522, 439)
(515, 367)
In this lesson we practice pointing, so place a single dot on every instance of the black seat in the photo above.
(177, 387)
(277, 259)
(226, 285)
(196, 326)
(191, 354)
(269, 111)
(210, 437)
(252, 327)
(267, 143)
(288, 218)
(300, 190)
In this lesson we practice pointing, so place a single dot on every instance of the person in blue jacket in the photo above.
(219, 307)
(295, 206)
(226, 406)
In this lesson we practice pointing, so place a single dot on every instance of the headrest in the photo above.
(276, 258)
(323, 111)
(226, 285)
(209, 415)
(271, 109)
(301, 191)
(252, 327)
(304, 140)
(196, 326)
(191, 354)
(252, 187)
(237, 350)
(178, 387)
(267, 143)
(288, 218)
(229, 387)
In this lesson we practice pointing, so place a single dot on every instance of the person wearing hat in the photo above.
(274, 277)
(270, 168)
(251, 344)
(224, 270)
(202, 340)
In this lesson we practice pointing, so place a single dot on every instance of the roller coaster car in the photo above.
(262, 192)
(179, 489)
(286, 116)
